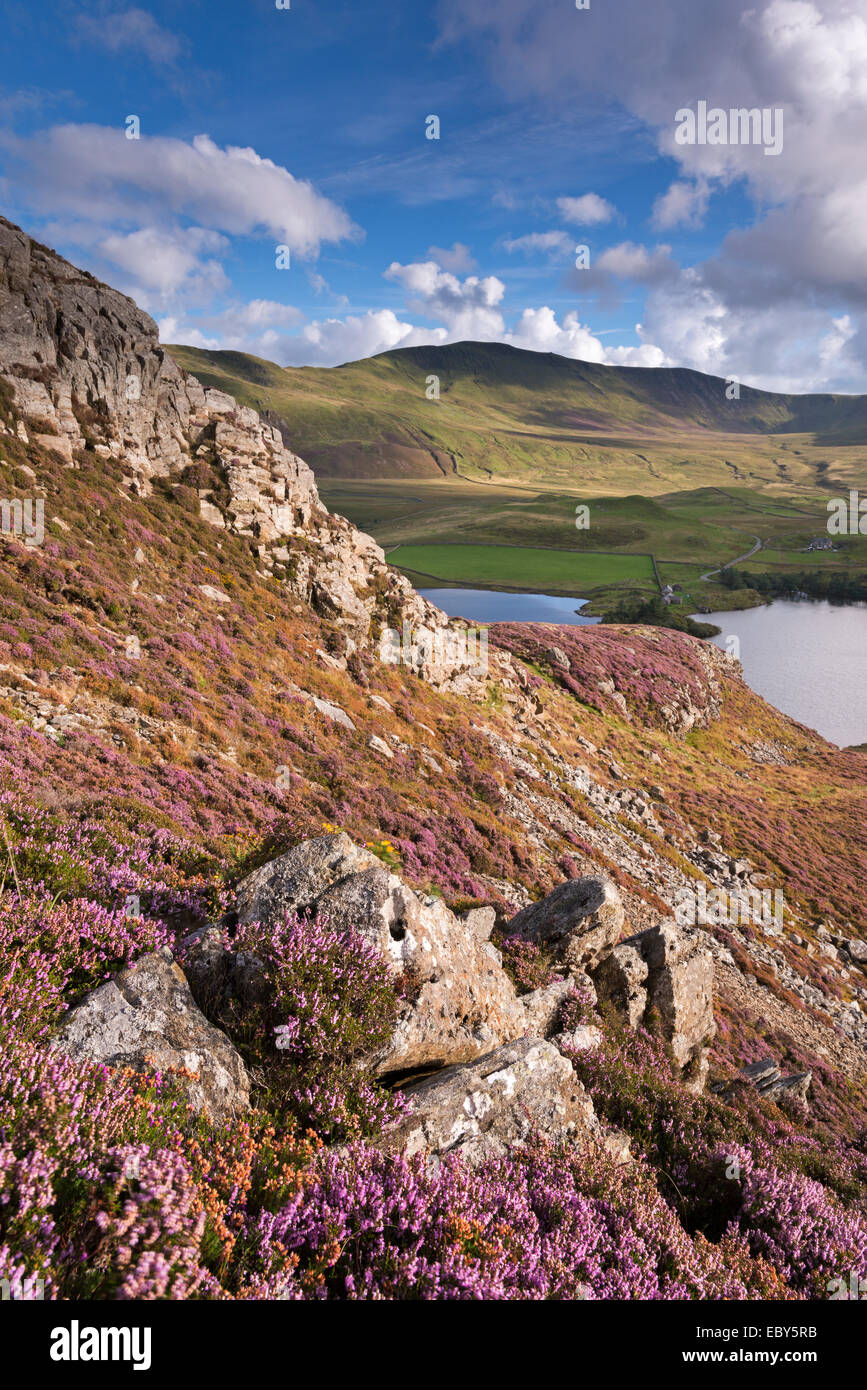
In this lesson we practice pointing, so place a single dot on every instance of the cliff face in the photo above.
(87, 371)
(72, 348)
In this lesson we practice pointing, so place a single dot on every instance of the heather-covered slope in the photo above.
(185, 696)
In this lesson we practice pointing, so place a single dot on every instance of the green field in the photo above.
(512, 567)
(463, 533)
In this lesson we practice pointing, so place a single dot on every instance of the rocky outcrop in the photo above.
(621, 979)
(83, 357)
(481, 1109)
(480, 921)
(87, 371)
(500, 1062)
(295, 881)
(769, 1081)
(460, 1002)
(851, 946)
(663, 979)
(145, 1018)
(579, 922)
(543, 1006)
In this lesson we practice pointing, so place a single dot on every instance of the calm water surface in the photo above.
(492, 606)
(808, 659)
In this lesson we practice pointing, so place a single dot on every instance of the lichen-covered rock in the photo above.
(584, 1038)
(580, 920)
(458, 1001)
(296, 881)
(145, 1018)
(621, 979)
(856, 949)
(501, 1099)
(84, 356)
(543, 1007)
(768, 1080)
(480, 921)
(796, 1086)
(663, 978)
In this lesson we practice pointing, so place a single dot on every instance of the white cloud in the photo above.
(766, 304)
(457, 258)
(587, 211)
(258, 313)
(631, 262)
(788, 347)
(331, 341)
(96, 174)
(174, 329)
(538, 330)
(167, 262)
(155, 216)
(258, 327)
(549, 242)
(467, 308)
(684, 204)
(133, 29)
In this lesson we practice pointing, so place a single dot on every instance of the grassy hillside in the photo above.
(507, 414)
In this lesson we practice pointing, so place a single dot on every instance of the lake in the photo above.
(809, 659)
(495, 606)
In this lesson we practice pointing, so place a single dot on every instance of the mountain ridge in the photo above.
(372, 417)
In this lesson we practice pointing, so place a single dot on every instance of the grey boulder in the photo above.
(457, 1003)
(296, 881)
(146, 1019)
(580, 921)
(483, 1108)
(663, 979)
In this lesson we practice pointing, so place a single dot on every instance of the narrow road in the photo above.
(757, 546)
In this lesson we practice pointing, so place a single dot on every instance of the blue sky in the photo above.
(305, 127)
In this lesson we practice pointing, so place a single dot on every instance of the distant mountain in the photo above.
(503, 411)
